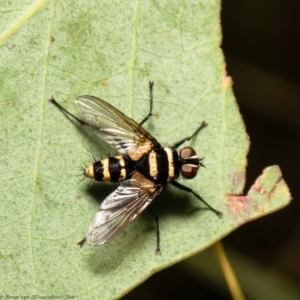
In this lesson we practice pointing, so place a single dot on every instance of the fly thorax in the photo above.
(161, 165)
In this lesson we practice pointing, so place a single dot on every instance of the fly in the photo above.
(142, 168)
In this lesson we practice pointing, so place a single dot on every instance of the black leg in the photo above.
(187, 189)
(157, 251)
(81, 242)
(151, 84)
(202, 125)
(52, 100)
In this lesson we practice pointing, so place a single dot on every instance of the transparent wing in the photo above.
(120, 208)
(109, 124)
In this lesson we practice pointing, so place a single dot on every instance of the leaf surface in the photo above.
(111, 50)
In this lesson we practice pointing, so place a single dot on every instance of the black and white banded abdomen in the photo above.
(112, 169)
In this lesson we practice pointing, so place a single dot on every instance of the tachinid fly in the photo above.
(143, 167)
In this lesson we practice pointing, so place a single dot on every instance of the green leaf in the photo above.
(111, 50)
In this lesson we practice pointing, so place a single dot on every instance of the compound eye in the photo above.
(187, 152)
(188, 171)
(190, 161)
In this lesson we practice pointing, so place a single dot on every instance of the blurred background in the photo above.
(261, 44)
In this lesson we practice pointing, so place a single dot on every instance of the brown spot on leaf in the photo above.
(237, 203)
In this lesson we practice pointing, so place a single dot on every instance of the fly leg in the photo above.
(80, 243)
(187, 189)
(52, 100)
(151, 84)
(202, 125)
(81, 122)
(157, 251)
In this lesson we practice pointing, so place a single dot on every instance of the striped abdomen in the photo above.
(113, 169)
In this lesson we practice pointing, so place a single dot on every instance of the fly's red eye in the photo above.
(188, 171)
(190, 162)
(187, 152)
